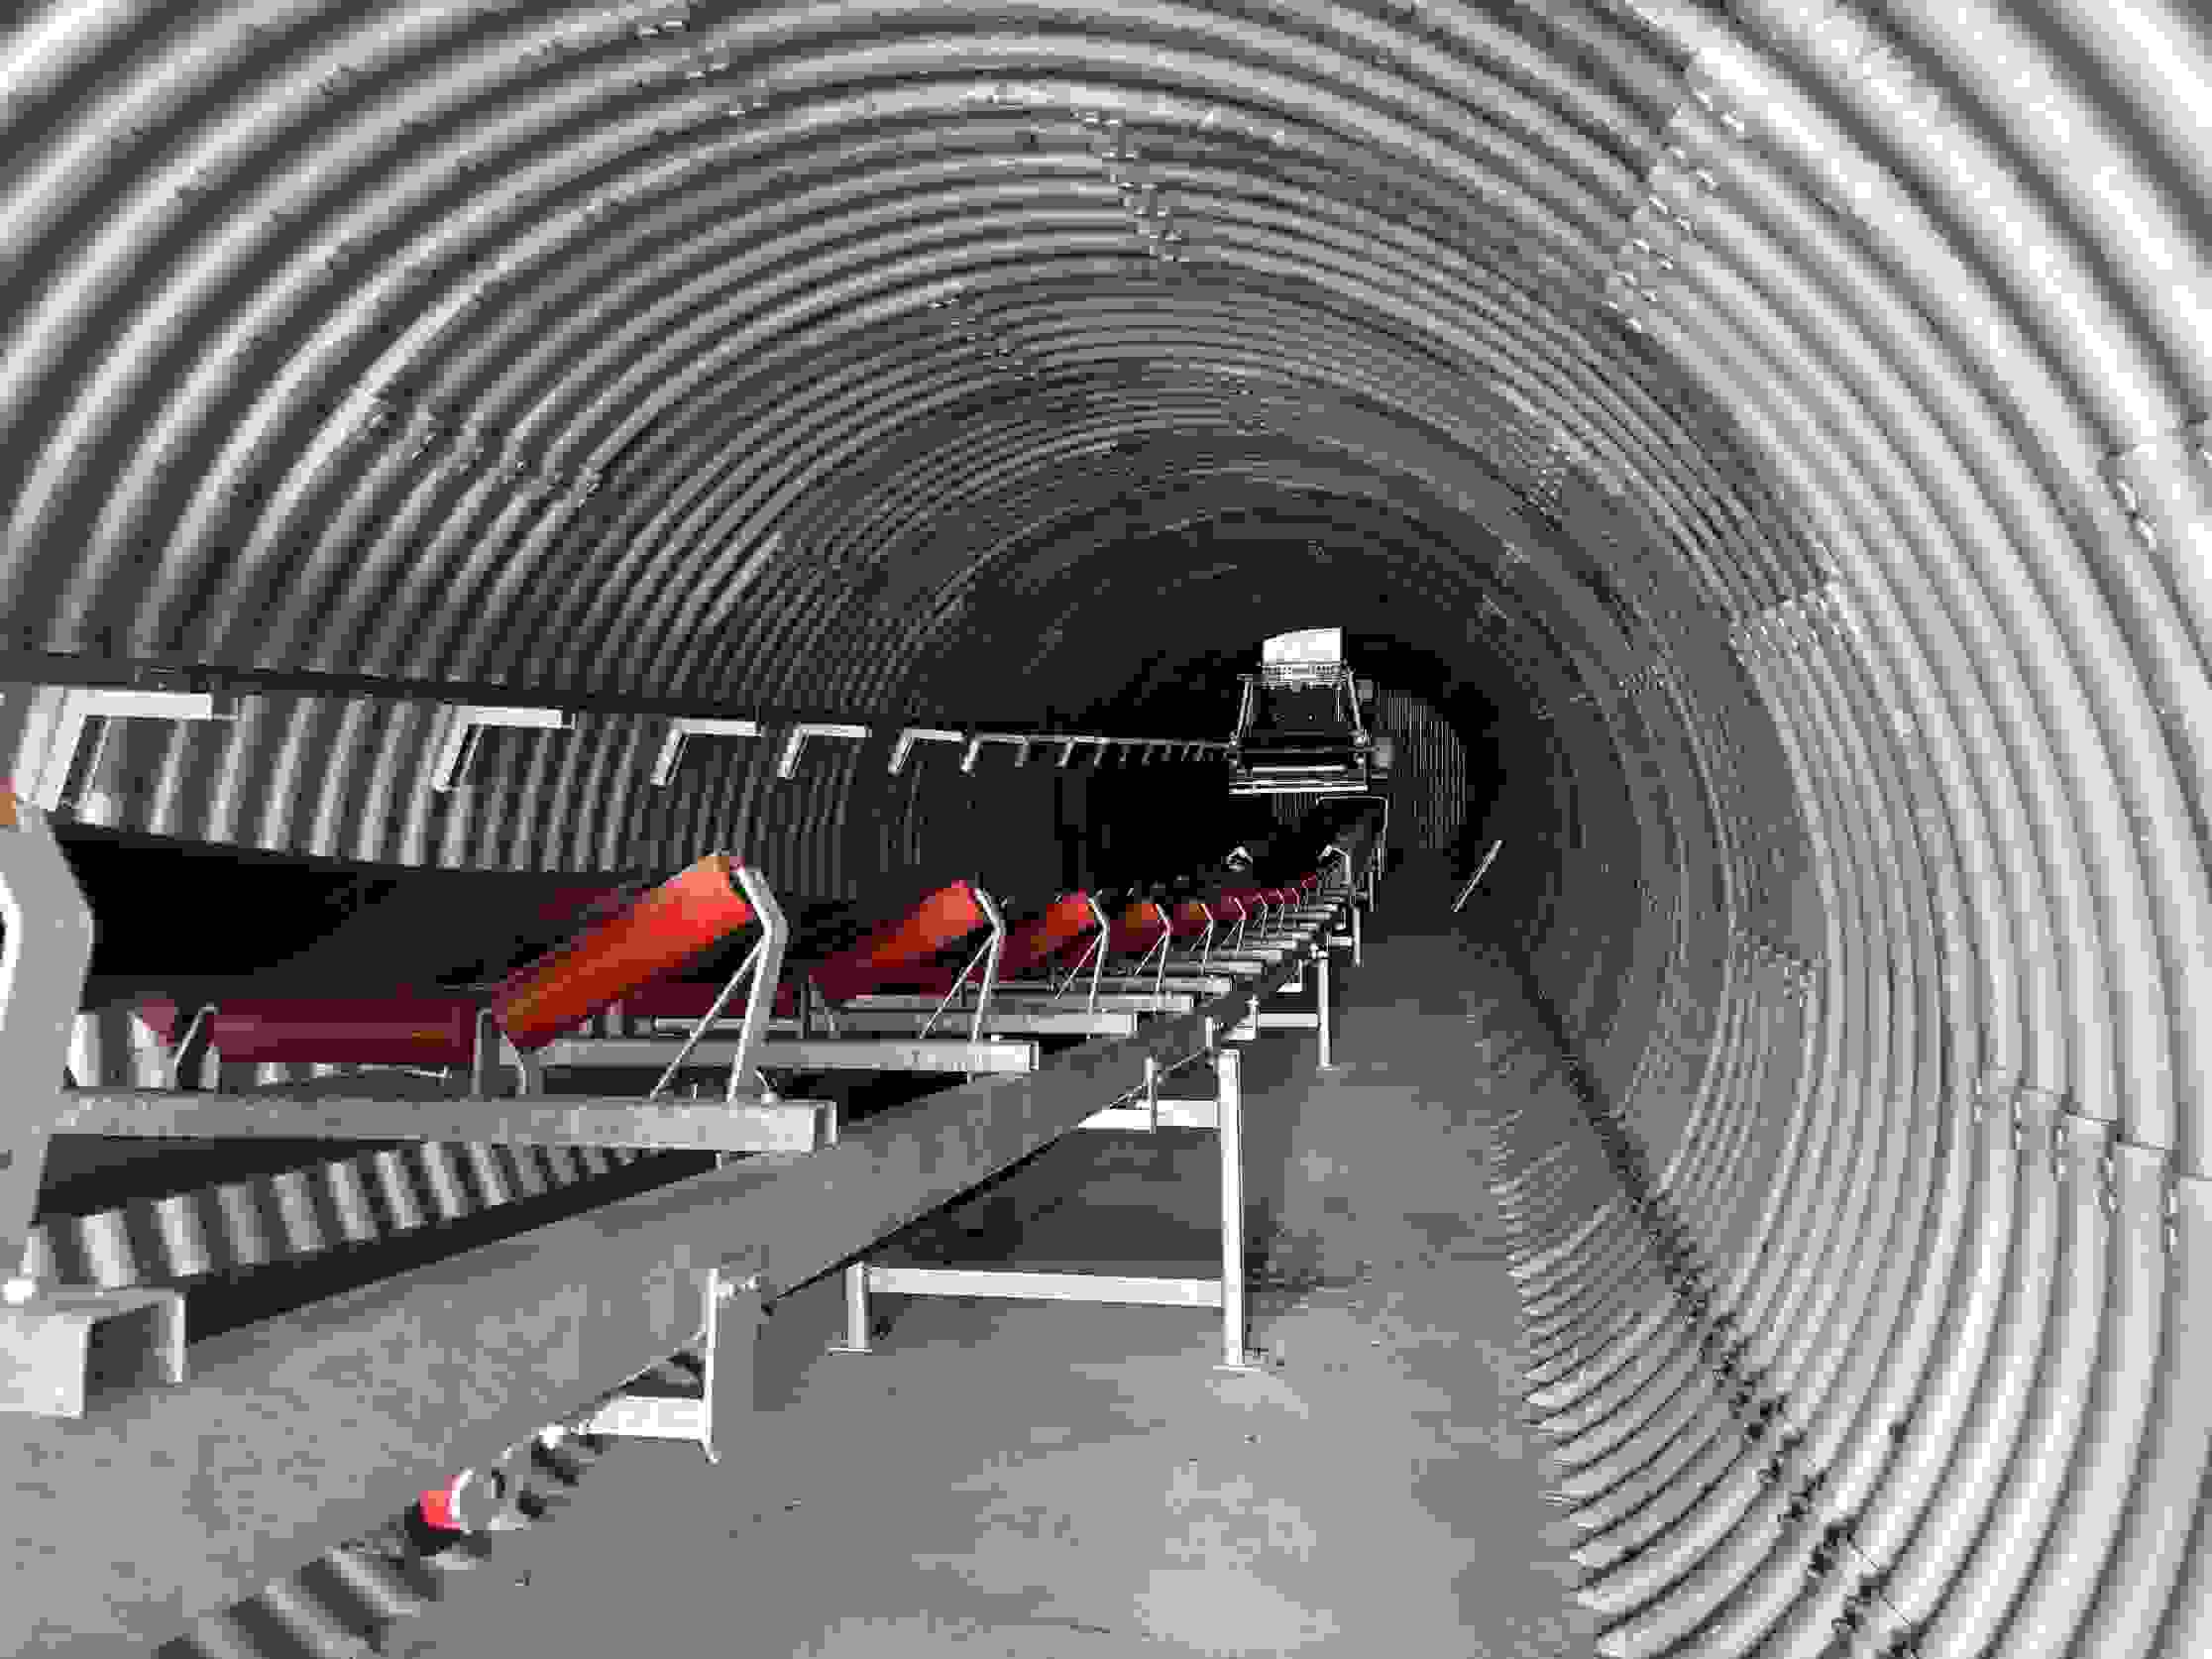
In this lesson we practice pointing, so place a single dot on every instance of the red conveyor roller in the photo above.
(900, 951)
(389, 1031)
(672, 924)
(905, 946)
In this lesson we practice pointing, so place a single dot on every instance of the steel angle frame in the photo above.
(1005, 1021)
(987, 958)
(1182, 982)
(1039, 1019)
(747, 1121)
(1158, 950)
(1094, 953)
(797, 1053)
(918, 1053)
(761, 971)
(1223, 1115)
(1015, 1002)
(322, 1423)
(683, 731)
(744, 1125)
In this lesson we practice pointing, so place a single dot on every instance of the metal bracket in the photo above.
(764, 962)
(1243, 917)
(1202, 953)
(787, 765)
(1095, 954)
(987, 955)
(187, 1065)
(1020, 740)
(1160, 968)
(1345, 854)
(80, 707)
(672, 746)
(914, 734)
(459, 748)
(64, 1347)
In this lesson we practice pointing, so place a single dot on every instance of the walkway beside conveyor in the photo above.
(1057, 1482)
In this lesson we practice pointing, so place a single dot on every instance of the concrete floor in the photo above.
(1067, 1481)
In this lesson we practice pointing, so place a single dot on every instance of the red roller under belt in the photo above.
(899, 952)
(1036, 943)
(674, 923)
(655, 934)
(390, 1031)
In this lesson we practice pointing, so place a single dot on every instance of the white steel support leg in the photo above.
(856, 1311)
(1228, 1065)
(1322, 1001)
(1357, 961)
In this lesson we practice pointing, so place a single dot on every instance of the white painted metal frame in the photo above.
(80, 707)
(992, 1056)
(672, 746)
(787, 764)
(914, 734)
(713, 1417)
(1223, 1114)
(450, 770)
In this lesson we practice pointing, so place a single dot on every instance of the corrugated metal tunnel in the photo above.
(1784, 423)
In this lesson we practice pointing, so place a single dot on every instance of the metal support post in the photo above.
(856, 1311)
(59, 1344)
(1229, 1066)
(1322, 1001)
(188, 1065)
(717, 1416)
(737, 1309)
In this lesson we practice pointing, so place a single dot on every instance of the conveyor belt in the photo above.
(335, 1222)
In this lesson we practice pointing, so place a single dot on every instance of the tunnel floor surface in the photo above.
(1010, 1481)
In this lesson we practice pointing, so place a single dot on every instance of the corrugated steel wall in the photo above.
(1428, 784)
(1807, 407)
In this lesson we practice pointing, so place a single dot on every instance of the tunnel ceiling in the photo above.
(759, 352)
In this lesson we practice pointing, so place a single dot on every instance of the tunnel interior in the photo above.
(1760, 452)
